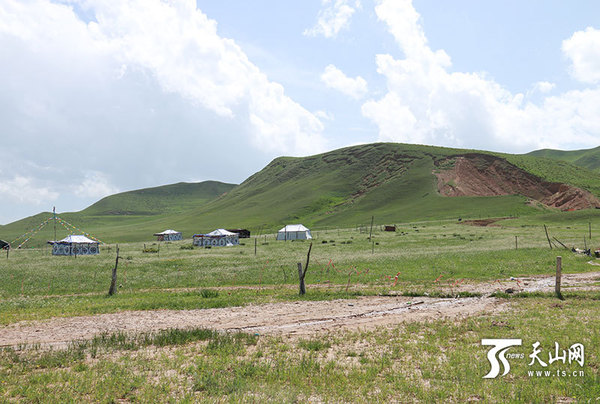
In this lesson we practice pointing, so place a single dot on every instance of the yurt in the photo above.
(294, 232)
(168, 235)
(75, 245)
(217, 238)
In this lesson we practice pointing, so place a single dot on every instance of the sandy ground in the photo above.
(543, 283)
(290, 318)
(293, 318)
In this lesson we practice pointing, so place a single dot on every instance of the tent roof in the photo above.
(221, 232)
(77, 239)
(167, 232)
(294, 227)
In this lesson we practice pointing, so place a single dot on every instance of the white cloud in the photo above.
(176, 45)
(427, 103)
(24, 190)
(583, 48)
(333, 17)
(336, 79)
(181, 47)
(544, 87)
(325, 115)
(139, 91)
(95, 185)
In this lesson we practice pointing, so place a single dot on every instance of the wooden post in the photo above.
(558, 278)
(559, 242)
(7, 250)
(302, 273)
(255, 241)
(301, 278)
(54, 217)
(113, 282)
(590, 229)
(516, 243)
(549, 243)
(371, 231)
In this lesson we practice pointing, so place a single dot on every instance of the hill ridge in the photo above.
(392, 181)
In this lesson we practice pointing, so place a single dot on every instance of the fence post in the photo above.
(558, 278)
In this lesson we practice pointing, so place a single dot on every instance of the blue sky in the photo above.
(102, 96)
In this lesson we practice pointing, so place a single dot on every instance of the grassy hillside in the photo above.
(587, 158)
(345, 187)
(158, 200)
(127, 216)
(342, 188)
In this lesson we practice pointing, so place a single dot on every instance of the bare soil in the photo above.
(484, 222)
(291, 318)
(485, 175)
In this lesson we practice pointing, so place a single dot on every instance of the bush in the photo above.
(209, 293)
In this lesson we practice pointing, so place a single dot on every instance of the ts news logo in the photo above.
(498, 352)
(498, 355)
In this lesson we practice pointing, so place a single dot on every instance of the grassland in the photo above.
(441, 361)
(37, 285)
(437, 361)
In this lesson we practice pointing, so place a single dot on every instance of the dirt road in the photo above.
(299, 318)
(290, 318)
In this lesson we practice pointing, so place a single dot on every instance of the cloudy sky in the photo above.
(102, 96)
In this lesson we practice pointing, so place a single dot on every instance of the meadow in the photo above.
(38, 285)
(432, 361)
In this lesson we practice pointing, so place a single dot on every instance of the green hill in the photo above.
(393, 182)
(587, 158)
(127, 216)
(159, 200)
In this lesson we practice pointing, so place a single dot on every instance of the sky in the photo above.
(104, 96)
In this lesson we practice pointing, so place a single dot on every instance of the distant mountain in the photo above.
(127, 216)
(587, 158)
(393, 182)
(159, 200)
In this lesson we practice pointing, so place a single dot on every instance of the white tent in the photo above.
(169, 235)
(294, 232)
(221, 232)
(75, 245)
(217, 238)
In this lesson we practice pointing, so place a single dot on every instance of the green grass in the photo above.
(440, 361)
(173, 198)
(586, 158)
(37, 285)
